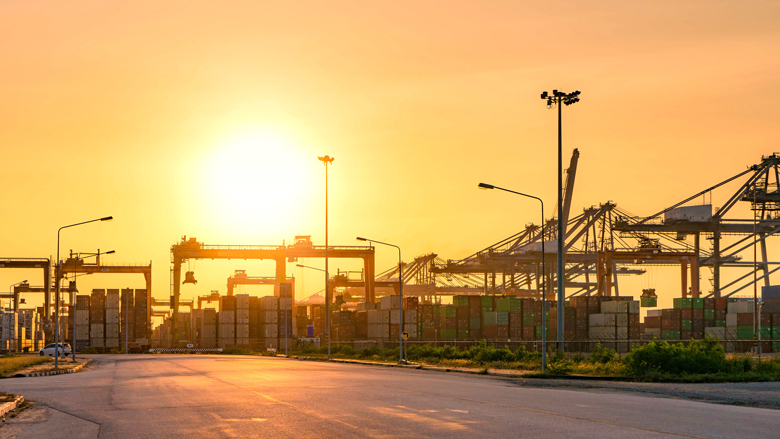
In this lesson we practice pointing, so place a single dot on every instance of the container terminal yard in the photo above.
(494, 294)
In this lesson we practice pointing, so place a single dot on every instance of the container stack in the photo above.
(255, 322)
(410, 317)
(227, 322)
(97, 318)
(343, 325)
(285, 317)
(112, 319)
(529, 319)
(82, 315)
(301, 321)
(269, 313)
(141, 329)
(183, 329)
(445, 327)
(9, 330)
(126, 318)
(208, 332)
(242, 319)
(378, 323)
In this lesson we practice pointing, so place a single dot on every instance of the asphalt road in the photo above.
(142, 396)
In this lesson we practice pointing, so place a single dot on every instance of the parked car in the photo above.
(64, 349)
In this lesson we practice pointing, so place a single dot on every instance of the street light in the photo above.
(556, 99)
(544, 274)
(13, 294)
(57, 290)
(327, 160)
(400, 296)
(73, 299)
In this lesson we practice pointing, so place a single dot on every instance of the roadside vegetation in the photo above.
(10, 364)
(659, 361)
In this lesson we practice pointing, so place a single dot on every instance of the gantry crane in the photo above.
(241, 278)
(302, 247)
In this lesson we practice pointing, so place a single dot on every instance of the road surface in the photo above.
(144, 396)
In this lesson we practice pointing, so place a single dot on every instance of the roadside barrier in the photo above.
(185, 351)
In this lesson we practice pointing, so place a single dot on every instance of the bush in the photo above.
(602, 355)
(698, 357)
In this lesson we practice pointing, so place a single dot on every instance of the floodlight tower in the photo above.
(556, 99)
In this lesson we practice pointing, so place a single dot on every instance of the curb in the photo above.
(8, 406)
(53, 372)
(411, 366)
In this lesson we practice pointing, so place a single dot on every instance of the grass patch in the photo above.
(11, 365)
(698, 361)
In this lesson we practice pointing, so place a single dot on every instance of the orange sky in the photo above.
(206, 120)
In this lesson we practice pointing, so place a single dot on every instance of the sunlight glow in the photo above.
(259, 179)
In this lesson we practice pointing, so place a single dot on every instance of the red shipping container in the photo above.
(766, 320)
(652, 322)
(633, 333)
(721, 303)
(475, 334)
(709, 303)
(698, 314)
(776, 319)
(502, 333)
(475, 313)
(633, 320)
(686, 335)
(475, 302)
(720, 313)
(745, 319)
(463, 312)
(529, 332)
(490, 332)
(686, 313)
(594, 305)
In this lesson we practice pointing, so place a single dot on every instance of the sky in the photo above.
(205, 119)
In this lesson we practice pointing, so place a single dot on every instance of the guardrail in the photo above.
(185, 351)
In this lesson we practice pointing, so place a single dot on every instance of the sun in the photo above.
(259, 179)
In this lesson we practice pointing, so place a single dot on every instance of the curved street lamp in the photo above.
(57, 290)
(544, 273)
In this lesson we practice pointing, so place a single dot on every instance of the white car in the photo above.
(64, 349)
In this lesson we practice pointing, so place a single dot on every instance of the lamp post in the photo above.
(57, 290)
(73, 299)
(556, 99)
(326, 160)
(544, 274)
(400, 296)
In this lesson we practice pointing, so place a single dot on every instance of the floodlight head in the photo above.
(486, 186)
(326, 159)
(544, 95)
(361, 239)
(108, 218)
(555, 92)
(111, 252)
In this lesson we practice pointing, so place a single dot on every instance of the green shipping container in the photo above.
(648, 302)
(766, 333)
(682, 303)
(461, 300)
(463, 334)
(538, 332)
(528, 318)
(775, 333)
(744, 333)
(776, 346)
(502, 318)
(685, 325)
(670, 335)
(709, 314)
(450, 334)
(475, 323)
(487, 302)
(565, 303)
(449, 311)
(489, 318)
(503, 304)
(720, 323)
(697, 302)
(515, 304)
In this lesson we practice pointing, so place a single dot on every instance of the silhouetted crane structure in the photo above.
(40, 264)
(241, 278)
(682, 222)
(302, 247)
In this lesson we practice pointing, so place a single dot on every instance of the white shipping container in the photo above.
(96, 330)
(269, 303)
(112, 299)
(741, 306)
(372, 331)
(227, 317)
(268, 317)
(372, 317)
(242, 301)
(112, 315)
(383, 316)
(654, 313)
(270, 331)
(242, 330)
(227, 330)
(242, 315)
(653, 332)
(390, 302)
(694, 214)
(602, 320)
(411, 330)
(395, 316)
(614, 307)
(731, 320)
(112, 330)
(97, 342)
(82, 332)
(82, 317)
(410, 316)
(112, 342)
(633, 307)
(285, 303)
(621, 333)
(621, 320)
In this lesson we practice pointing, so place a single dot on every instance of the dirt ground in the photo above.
(47, 367)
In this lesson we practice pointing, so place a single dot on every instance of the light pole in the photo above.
(73, 299)
(326, 160)
(57, 290)
(556, 99)
(544, 273)
(400, 296)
